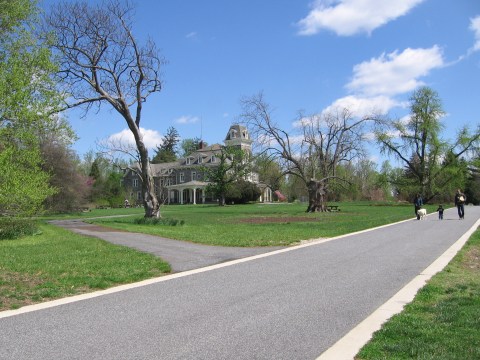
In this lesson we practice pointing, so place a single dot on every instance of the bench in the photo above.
(333, 208)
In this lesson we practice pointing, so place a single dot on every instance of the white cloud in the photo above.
(350, 17)
(361, 106)
(376, 82)
(475, 27)
(395, 73)
(187, 119)
(190, 35)
(151, 138)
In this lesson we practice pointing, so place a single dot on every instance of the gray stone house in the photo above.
(183, 181)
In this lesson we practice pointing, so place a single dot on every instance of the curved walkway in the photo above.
(181, 255)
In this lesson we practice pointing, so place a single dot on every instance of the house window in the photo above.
(182, 177)
(139, 195)
(213, 159)
(188, 160)
(168, 182)
(199, 159)
(135, 183)
(194, 175)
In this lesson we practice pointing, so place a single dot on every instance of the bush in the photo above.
(15, 228)
(157, 221)
(242, 192)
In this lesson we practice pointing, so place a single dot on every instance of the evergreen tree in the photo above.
(167, 151)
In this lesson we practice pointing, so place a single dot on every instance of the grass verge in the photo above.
(58, 263)
(261, 224)
(443, 321)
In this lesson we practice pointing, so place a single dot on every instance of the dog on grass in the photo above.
(421, 213)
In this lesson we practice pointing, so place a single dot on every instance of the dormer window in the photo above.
(199, 160)
(188, 161)
(213, 159)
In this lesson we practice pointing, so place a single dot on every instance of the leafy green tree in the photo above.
(269, 172)
(231, 166)
(242, 192)
(432, 165)
(114, 193)
(27, 96)
(189, 146)
(167, 151)
(473, 182)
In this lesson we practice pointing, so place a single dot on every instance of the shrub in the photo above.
(15, 228)
(242, 192)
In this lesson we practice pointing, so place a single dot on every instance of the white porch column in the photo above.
(181, 195)
(194, 196)
(203, 195)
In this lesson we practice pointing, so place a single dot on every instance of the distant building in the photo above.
(183, 181)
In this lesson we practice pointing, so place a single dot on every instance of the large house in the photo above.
(183, 181)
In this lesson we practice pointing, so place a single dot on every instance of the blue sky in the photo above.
(303, 55)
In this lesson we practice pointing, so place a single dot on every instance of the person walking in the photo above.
(460, 200)
(417, 202)
(440, 212)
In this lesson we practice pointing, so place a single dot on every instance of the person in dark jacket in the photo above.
(460, 200)
(417, 202)
(440, 212)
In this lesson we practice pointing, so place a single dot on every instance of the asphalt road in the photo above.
(293, 304)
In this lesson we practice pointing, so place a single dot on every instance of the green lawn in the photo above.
(443, 321)
(58, 263)
(263, 224)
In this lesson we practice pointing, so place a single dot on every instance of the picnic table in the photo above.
(333, 208)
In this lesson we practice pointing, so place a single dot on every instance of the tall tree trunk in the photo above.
(316, 196)
(150, 200)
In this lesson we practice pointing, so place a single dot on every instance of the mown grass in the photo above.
(263, 224)
(58, 263)
(443, 321)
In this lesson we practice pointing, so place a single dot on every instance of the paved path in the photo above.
(181, 255)
(294, 303)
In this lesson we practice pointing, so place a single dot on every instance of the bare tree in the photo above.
(313, 155)
(101, 62)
